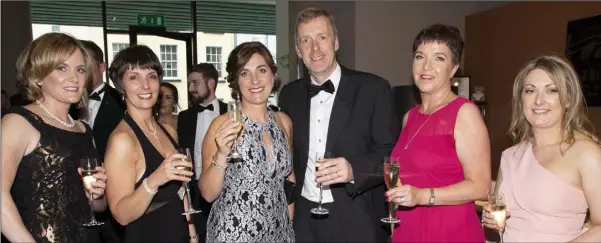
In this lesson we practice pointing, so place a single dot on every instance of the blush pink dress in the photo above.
(543, 207)
(430, 160)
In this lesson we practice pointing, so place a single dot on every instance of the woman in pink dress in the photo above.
(551, 176)
(444, 150)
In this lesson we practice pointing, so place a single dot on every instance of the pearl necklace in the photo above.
(72, 124)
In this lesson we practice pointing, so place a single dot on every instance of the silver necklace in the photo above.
(419, 129)
(68, 125)
(154, 134)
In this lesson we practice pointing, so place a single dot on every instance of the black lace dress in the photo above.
(47, 189)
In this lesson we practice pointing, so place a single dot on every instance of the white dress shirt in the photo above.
(203, 121)
(94, 106)
(321, 109)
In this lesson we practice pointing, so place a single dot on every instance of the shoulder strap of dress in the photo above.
(175, 145)
(35, 120)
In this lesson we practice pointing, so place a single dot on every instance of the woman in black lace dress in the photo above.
(141, 160)
(43, 197)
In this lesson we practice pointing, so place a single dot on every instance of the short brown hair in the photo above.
(443, 34)
(310, 14)
(42, 56)
(207, 70)
(240, 56)
(95, 50)
(570, 95)
(138, 56)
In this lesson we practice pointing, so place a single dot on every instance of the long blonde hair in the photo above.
(570, 95)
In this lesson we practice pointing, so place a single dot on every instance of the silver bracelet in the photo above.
(147, 188)
(216, 165)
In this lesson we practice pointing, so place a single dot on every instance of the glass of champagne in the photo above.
(496, 205)
(319, 157)
(186, 152)
(235, 114)
(391, 178)
(88, 169)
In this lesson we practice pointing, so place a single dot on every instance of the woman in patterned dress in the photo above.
(249, 203)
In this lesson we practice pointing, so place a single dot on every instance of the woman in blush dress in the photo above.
(550, 177)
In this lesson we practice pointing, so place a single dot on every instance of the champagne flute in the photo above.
(186, 152)
(496, 204)
(235, 114)
(391, 178)
(319, 210)
(88, 169)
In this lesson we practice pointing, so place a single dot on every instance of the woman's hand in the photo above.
(97, 183)
(168, 171)
(226, 135)
(489, 221)
(405, 195)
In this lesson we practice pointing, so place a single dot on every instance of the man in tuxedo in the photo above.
(105, 109)
(105, 105)
(350, 115)
(204, 107)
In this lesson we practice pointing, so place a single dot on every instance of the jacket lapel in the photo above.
(304, 106)
(341, 110)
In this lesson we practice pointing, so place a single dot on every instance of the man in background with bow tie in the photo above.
(350, 115)
(204, 107)
(105, 107)
(104, 111)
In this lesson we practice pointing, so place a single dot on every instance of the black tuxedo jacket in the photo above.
(363, 129)
(186, 126)
(109, 115)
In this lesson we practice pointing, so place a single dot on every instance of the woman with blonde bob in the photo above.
(43, 197)
(550, 177)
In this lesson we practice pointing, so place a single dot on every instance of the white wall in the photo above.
(385, 30)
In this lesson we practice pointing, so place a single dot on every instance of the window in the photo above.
(169, 60)
(56, 28)
(117, 47)
(214, 57)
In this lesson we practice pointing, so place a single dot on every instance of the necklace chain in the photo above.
(419, 129)
(64, 123)
(153, 133)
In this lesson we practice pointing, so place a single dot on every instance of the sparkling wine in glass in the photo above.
(391, 178)
(496, 204)
(186, 152)
(319, 210)
(88, 169)
(235, 114)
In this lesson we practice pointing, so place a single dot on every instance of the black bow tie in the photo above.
(313, 90)
(96, 95)
(203, 108)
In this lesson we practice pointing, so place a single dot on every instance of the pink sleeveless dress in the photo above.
(543, 208)
(430, 160)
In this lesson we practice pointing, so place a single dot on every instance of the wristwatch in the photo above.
(432, 197)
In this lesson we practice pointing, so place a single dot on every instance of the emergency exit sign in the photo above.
(152, 20)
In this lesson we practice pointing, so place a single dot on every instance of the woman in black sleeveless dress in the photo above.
(141, 160)
(44, 199)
